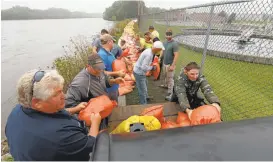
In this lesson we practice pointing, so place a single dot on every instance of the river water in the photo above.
(30, 44)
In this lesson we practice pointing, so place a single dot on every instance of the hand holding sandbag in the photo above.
(102, 105)
(217, 106)
(95, 118)
(81, 106)
(119, 80)
(121, 73)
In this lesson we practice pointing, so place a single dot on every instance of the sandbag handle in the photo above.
(137, 127)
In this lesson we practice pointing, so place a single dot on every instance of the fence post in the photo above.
(207, 39)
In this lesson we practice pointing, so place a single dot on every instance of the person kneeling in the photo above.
(187, 86)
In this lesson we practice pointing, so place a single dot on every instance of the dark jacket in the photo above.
(37, 136)
(187, 91)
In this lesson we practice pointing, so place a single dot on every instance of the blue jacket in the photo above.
(108, 60)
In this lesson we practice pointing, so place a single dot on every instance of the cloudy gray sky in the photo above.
(92, 6)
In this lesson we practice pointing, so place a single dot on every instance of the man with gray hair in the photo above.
(39, 129)
(143, 65)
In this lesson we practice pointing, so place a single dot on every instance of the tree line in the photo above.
(121, 10)
(25, 13)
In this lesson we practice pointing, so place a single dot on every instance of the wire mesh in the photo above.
(238, 56)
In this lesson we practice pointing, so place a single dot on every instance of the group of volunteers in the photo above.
(44, 124)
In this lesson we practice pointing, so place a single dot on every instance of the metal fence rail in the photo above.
(233, 43)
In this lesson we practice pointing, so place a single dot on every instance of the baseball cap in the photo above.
(105, 38)
(158, 44)
(96, 62)
(151, 27)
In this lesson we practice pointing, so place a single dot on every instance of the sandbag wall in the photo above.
(128, 59)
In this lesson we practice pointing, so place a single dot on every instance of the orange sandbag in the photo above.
(128, 77)
(125, 90)
(118, 65)
(156, 72)
(205, 115)
(101, 104)
(130, 68)
(127, 83)
(125, 53)
(156, 111)
(133, 58)
(183, 119)
(156, 60)
(133, 77)
(168, 124)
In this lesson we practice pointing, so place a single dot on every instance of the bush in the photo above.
(74, 60)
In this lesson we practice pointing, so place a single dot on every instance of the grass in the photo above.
(244, 89)
(74, 60)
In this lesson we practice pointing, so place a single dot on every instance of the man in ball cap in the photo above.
(107, 42)
(143, 65)
(89, 83)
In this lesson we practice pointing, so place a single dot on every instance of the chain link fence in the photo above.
(233, 43)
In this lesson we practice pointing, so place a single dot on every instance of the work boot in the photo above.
(150, 98)
(168, 97)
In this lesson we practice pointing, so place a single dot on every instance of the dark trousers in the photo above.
(194, 101)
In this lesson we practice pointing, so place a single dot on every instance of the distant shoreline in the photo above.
(25, 13)
(52, 18)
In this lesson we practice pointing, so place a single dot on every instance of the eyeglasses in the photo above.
(37, 78)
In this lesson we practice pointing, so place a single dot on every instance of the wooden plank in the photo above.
(123, 112)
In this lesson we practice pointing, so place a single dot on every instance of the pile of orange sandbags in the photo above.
(206, 114)
(126, 66)
(101, 104)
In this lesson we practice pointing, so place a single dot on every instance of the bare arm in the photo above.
(115, 73)
(95, 123)
(175, 58)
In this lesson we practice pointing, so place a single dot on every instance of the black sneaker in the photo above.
(149, 98)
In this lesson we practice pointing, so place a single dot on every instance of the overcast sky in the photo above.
(97, 6)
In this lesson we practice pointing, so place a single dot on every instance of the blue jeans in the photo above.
(141, 83)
